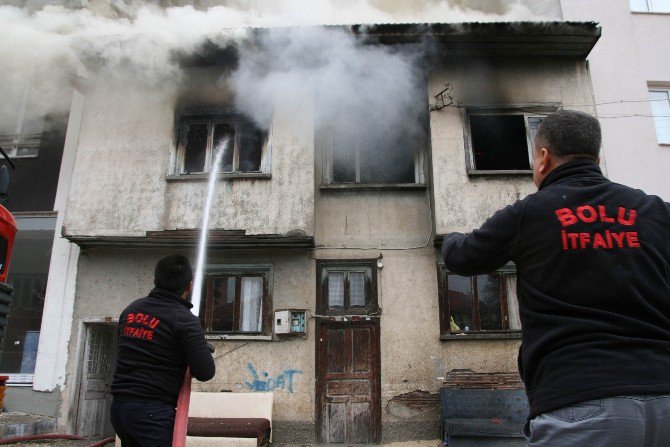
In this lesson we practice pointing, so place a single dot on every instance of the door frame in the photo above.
(78, 363)
(321, 364)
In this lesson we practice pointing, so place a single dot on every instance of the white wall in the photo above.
(631, 53)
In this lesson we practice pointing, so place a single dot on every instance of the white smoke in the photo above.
(134, 43)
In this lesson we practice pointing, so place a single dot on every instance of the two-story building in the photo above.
(334, 216)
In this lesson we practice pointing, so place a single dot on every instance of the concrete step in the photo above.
(21, 424)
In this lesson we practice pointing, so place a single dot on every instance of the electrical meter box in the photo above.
(290, 321)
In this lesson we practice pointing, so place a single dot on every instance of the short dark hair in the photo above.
(173, 273)
(570, 133)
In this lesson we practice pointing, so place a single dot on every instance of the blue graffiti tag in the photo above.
(283, 381)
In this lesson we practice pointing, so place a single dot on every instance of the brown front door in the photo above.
(348, 382)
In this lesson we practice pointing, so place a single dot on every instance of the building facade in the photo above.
(344, 238)
(331, 225)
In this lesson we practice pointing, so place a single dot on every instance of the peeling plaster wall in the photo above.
(125, 152)
(463, 202)
(118, 183)
(109, 279)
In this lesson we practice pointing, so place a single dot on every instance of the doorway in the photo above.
(348, 391)
(96, 371)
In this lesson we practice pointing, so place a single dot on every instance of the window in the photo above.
(238, 301)
(650, 5)
(28, 272)
(200, 136)
(21, 123)
(500, 143)
(478, 304)
(660, 107)
(346, 287)
(368, 151)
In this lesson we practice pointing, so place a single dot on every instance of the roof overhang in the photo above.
(493, 39)
(216, 239)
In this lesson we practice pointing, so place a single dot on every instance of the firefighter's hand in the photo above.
(210, 347)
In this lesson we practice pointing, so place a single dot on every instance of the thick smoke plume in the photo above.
(45, 49)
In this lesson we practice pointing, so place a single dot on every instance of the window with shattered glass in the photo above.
(244, 145)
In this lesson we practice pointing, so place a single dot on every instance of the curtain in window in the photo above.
(336, 289)
(252, 304)
(512, 302)
(357, 289)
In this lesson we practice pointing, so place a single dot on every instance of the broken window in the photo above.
(650, 5)
(481, 303)
(370, 150)
(660, 108)
(501, 142)
(200, 137)
(237, 302)
(346, 287)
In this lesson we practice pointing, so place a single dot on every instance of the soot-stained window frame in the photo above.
(346, 266)
(509, 307)
(211, 118)
(326, 138)
(531, 122)
(419, 148)
(238, 271)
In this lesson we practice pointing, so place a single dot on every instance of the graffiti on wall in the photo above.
(263, 381)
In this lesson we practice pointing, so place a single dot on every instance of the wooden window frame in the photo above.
(238, 272)
(444, 308)
(183, 120)
(531, 129)
(348, 266)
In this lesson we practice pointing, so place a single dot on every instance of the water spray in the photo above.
(181, 417)
(196, 290)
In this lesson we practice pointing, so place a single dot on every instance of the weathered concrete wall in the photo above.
(463, 202)
(109, 279)
(124, 157)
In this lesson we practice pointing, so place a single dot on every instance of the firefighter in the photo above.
(159, 338)
(593, 267)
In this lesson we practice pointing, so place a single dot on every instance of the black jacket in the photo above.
(593, 283)
(158, 338)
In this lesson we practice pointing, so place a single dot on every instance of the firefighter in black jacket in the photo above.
(159, 338)
(593, 268)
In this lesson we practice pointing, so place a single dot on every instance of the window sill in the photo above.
(651, 12)
(512, 335)
(372, 186)
(515, 172)
(228, 176)
(238, 337)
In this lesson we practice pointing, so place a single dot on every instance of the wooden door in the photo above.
(97, 370)
(348, 382)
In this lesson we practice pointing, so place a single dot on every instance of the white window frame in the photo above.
(661, 121)
(531, 129)
(16, 141)
(211, 119)
(653, 6)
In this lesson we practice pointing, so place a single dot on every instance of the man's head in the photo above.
(174, 274)
(562, 137)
